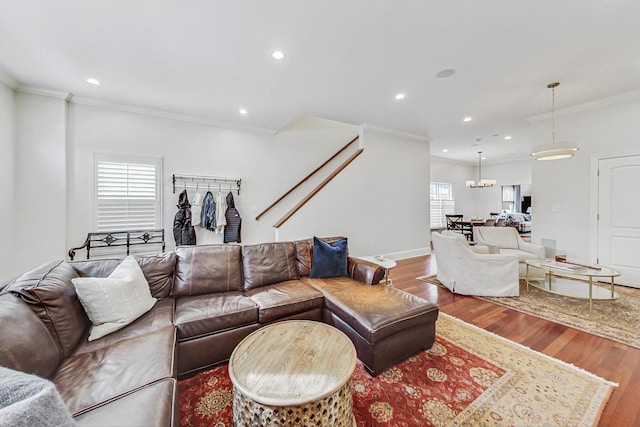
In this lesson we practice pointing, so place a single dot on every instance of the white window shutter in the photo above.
(127, 194)
(442, 203)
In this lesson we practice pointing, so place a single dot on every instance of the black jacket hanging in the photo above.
(183, 231)
(232, 229)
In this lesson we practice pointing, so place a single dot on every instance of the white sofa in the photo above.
(465, 272)
(507, 241)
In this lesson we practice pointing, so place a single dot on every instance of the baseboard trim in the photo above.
(411, 253)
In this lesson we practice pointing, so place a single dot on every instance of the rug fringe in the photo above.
(546, 356)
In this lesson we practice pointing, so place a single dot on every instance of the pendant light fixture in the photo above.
(554, 151)
(482, 183)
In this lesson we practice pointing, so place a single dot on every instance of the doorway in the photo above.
(618, 221)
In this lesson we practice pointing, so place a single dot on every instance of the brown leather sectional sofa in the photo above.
(209, 298)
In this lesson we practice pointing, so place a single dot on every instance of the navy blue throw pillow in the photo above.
(329, 259)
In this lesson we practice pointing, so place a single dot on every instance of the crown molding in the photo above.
(34, 90)
(394, 132)
(452, 161)
(515, 159)
(92, 102)
(7, 80)
(611, 100)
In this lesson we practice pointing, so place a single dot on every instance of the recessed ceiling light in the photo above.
(242, 111)
(445, 150)
(277, 54)
(484, 158)
(400, 96)
(508, 137)
(467, 119)
(93, 81)
(443, 74)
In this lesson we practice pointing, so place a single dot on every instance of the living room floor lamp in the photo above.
(553, 151)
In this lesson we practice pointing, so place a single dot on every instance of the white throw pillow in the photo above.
(113, 302)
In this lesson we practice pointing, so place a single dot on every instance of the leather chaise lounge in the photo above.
(208, 299)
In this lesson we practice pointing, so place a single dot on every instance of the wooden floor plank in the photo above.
(610, 360)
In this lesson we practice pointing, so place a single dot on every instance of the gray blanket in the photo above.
(28, 400)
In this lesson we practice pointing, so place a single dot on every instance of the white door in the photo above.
(619, 217)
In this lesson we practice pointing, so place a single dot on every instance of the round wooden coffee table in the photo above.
(290, 373)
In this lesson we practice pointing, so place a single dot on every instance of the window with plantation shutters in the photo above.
(127, 193)
(442, 203)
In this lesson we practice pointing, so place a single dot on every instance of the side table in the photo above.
(386, 263)
(293, 373)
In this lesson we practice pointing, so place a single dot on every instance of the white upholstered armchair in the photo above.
(506, 240)
(479, 249)
(465, 272)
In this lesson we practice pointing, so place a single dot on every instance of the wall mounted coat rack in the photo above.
(203, 182)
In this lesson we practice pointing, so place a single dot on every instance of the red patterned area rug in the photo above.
(469, 377)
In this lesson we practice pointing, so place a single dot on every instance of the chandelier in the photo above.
(482, 183)
(553, 151)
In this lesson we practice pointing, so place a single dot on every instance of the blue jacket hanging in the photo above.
(208, 213)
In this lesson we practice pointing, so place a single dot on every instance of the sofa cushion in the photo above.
(329, 258)
(304, 254)
(160, 316)
(25, 342)
(332, 284)
(268, 263)
(379, 311)
(285, 299)
(207, 269)
(125, 411)
(205, 314)
(113, 302)
(304, 251)
(92, 379)
(157, 269)
(51, 295)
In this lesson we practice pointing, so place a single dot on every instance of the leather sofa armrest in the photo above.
(365, 272)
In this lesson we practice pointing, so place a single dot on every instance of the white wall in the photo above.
(456, 173)
(381, 201)
(8, 212)
(186, 148)
(479, 202)
(382, 183)
(291, 155)
(39, 180)
(565, 191)
(490, 199)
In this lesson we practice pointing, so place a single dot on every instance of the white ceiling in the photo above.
(345, 60)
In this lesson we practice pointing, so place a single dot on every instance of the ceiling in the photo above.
(344, 60)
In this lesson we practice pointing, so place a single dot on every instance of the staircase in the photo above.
(317, 188)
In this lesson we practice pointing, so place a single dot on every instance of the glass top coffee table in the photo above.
(562, 279)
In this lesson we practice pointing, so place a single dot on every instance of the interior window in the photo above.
(128, 193)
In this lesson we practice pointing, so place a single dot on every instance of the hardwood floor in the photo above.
(615, 362)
